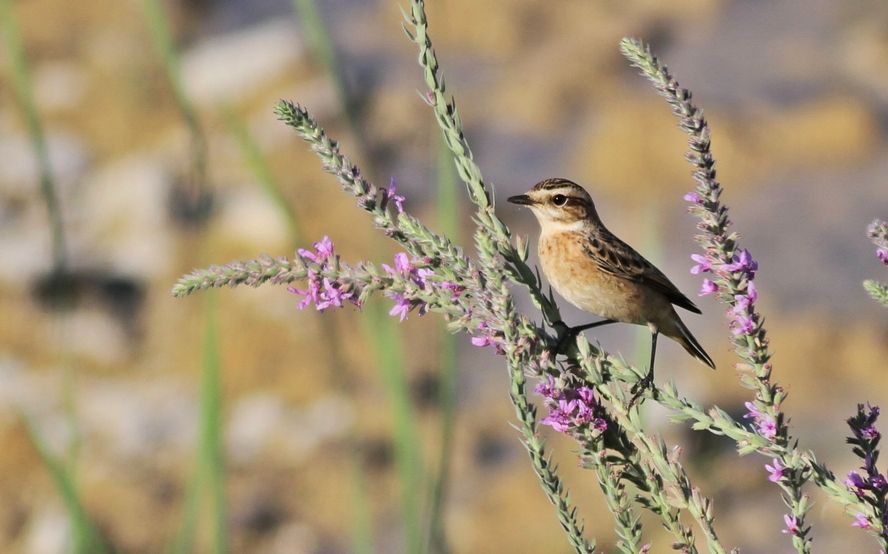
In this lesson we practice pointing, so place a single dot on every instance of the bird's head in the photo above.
(559, 205)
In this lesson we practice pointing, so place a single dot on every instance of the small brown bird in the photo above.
(599, 273)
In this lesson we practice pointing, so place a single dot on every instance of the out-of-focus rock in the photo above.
(635, 148)
(261, 423)
(49, 530)
(226, 68)
(134, 420)
(60, 86)
(20, 172)
(247, 219)
(122, 220)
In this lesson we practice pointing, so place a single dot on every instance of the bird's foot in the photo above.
(566, 335)
(639, 388)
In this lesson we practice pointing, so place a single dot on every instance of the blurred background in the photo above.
(137, 141)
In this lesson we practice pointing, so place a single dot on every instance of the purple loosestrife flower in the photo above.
(391, 195)
(856, 483)
(775, 471)
(547, 388)
(571, 409)
(767, 428)
(401, 308)
(742, 325)
(323, 251)
(704, 264)
(742, 263)
(861, 521)
(882, 254)
(792, 525)
(765, 424)
(310, 295)
(488, 338)
(693, 197)
(332, 295)
(708, 287)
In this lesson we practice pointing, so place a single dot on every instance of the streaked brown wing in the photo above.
(614, 256)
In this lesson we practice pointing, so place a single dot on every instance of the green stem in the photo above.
(24, 95)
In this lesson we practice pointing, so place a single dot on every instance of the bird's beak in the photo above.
(521, 199)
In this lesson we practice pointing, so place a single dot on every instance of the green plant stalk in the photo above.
(24, 94)
(209, 466)
(211, 444)
(261, 169)
(86, 537)
(162, 37)
(184, 540)
(380, 329)
(323, 50)
(447, 202)
(362, 521)
(751, 348)
(258, 164)
(493, 236)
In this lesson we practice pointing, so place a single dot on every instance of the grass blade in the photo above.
(86, 538)
(162, 37)
(24, 95)
(209, 468)
(382, 332)
(212, 448)
(448, 222)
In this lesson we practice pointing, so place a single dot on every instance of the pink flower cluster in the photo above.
(321, 291)
(765, 425)
(488, 337)
(419, 276)
(743, 318)
(571, 409)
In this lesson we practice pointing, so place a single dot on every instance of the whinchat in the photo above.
(599, 273)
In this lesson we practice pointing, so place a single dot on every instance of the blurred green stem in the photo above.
(162, 36)
(362, 525)
(209, 468)
(85, 536)
(323, 50)
(24, 95)
(448, 221)
(385, 337)
(212, 448)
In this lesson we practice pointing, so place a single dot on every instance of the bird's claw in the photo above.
(639, 388)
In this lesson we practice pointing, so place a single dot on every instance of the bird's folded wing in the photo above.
(614, 256)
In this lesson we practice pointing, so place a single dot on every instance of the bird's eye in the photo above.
(559, 200)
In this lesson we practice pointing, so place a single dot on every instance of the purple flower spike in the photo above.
(882, 254)
(545, 388)
(775, 471)
(324, 247)
(855, 482)
(708, 287)
(767, 428)
(742, 325)
(792, 525)
(743, 263)
(393, 196)
(693, 197)
(703, 264)
(861, 521)
(401, 307)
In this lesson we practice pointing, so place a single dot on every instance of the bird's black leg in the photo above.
(569, 333)
(646, 383)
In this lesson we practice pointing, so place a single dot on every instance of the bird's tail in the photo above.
(683, 336)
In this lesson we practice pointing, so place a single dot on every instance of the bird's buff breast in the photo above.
(576, 277)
